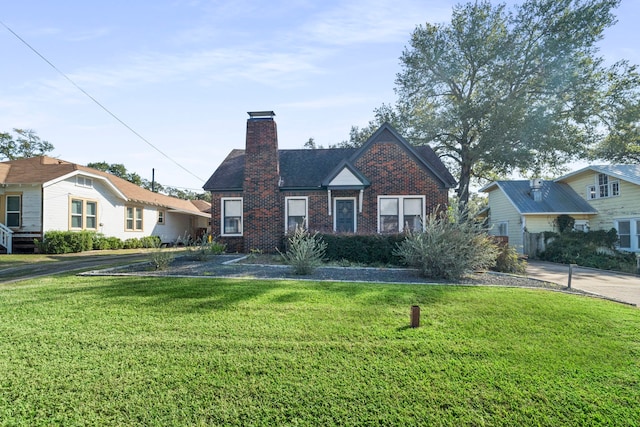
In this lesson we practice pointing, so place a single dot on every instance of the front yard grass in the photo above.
(169, 351)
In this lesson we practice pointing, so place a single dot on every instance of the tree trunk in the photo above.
(466, 165)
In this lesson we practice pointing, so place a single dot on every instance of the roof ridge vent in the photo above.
(536, 183)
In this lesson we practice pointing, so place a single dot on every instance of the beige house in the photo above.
(596, 197)
(41, 194)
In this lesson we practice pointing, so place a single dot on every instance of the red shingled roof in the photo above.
(40, 170)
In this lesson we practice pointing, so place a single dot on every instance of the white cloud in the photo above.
(374, 21)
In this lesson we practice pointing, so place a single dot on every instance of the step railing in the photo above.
(6, 237)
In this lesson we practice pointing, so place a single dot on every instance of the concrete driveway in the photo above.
(616, 286)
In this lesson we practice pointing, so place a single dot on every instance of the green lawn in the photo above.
(162, 352)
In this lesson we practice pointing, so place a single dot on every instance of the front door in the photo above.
(345, 219)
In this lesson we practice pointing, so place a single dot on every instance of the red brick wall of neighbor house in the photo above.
(263, 203)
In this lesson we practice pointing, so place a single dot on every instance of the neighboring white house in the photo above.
(42, 194)
(596, 197)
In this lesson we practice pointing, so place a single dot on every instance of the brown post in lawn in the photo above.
(415, 316)
(570, 274)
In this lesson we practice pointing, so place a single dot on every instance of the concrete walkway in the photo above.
(616, 286)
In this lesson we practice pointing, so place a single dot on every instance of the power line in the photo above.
(98, 103)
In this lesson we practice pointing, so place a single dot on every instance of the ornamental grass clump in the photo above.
(160, 257)
(449, 247)
(305, 252)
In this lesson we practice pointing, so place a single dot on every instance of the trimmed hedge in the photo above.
(362, 248)
(64, 242)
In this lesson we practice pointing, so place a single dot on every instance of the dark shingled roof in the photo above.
(306, 169)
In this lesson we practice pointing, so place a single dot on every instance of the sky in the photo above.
(166, 85)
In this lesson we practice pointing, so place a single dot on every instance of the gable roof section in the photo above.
(345, 176)
(313, 169)
(229, 176)
(42, 170)
(629, 173)
(423, 154)
(557, 198)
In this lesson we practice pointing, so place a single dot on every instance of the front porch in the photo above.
(17, 241)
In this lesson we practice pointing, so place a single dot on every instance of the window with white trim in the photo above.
(581, 225)
(84, 181)
(134, 218)
(13, 212)
(296, 213)
(628, 234)
(83, 214)
(397, 213)
(502, 228)
(161, 215)
(231, 216)
(624, 234)
(605, 187)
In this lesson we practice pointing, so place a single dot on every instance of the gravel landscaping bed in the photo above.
(233, 266)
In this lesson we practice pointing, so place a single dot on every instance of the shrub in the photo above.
(202, 249)
(305, 251)
(115, 243)
(64, 242)
(448, 248)
(132, 243)
(362, 248)
(161, 258)
(508, 260)
(595, 249)
(565, 223)
(150, 242)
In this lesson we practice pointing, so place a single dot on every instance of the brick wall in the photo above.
(263, 203)
(390, 168)
(393, 171)
(234, 243)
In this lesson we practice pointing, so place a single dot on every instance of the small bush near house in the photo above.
(305, 251)
(161, 258)
(150, 241)
(508, 261)
(362, 248)
(202, 249)
(64, 242)
(448, 247)
(101, 242)
(596, 249)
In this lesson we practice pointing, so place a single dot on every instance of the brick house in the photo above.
(261, 193)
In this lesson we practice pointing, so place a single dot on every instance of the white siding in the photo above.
(56, 205)
(176, 225)
(31, 208)
(345, 177)
(111, 213)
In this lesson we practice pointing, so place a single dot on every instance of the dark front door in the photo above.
(345, 216)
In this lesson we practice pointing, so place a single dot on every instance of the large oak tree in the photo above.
(500, 90)
(25, 143)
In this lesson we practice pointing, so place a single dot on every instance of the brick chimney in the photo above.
(263, 220)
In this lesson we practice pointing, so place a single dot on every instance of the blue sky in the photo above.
(184, 73)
